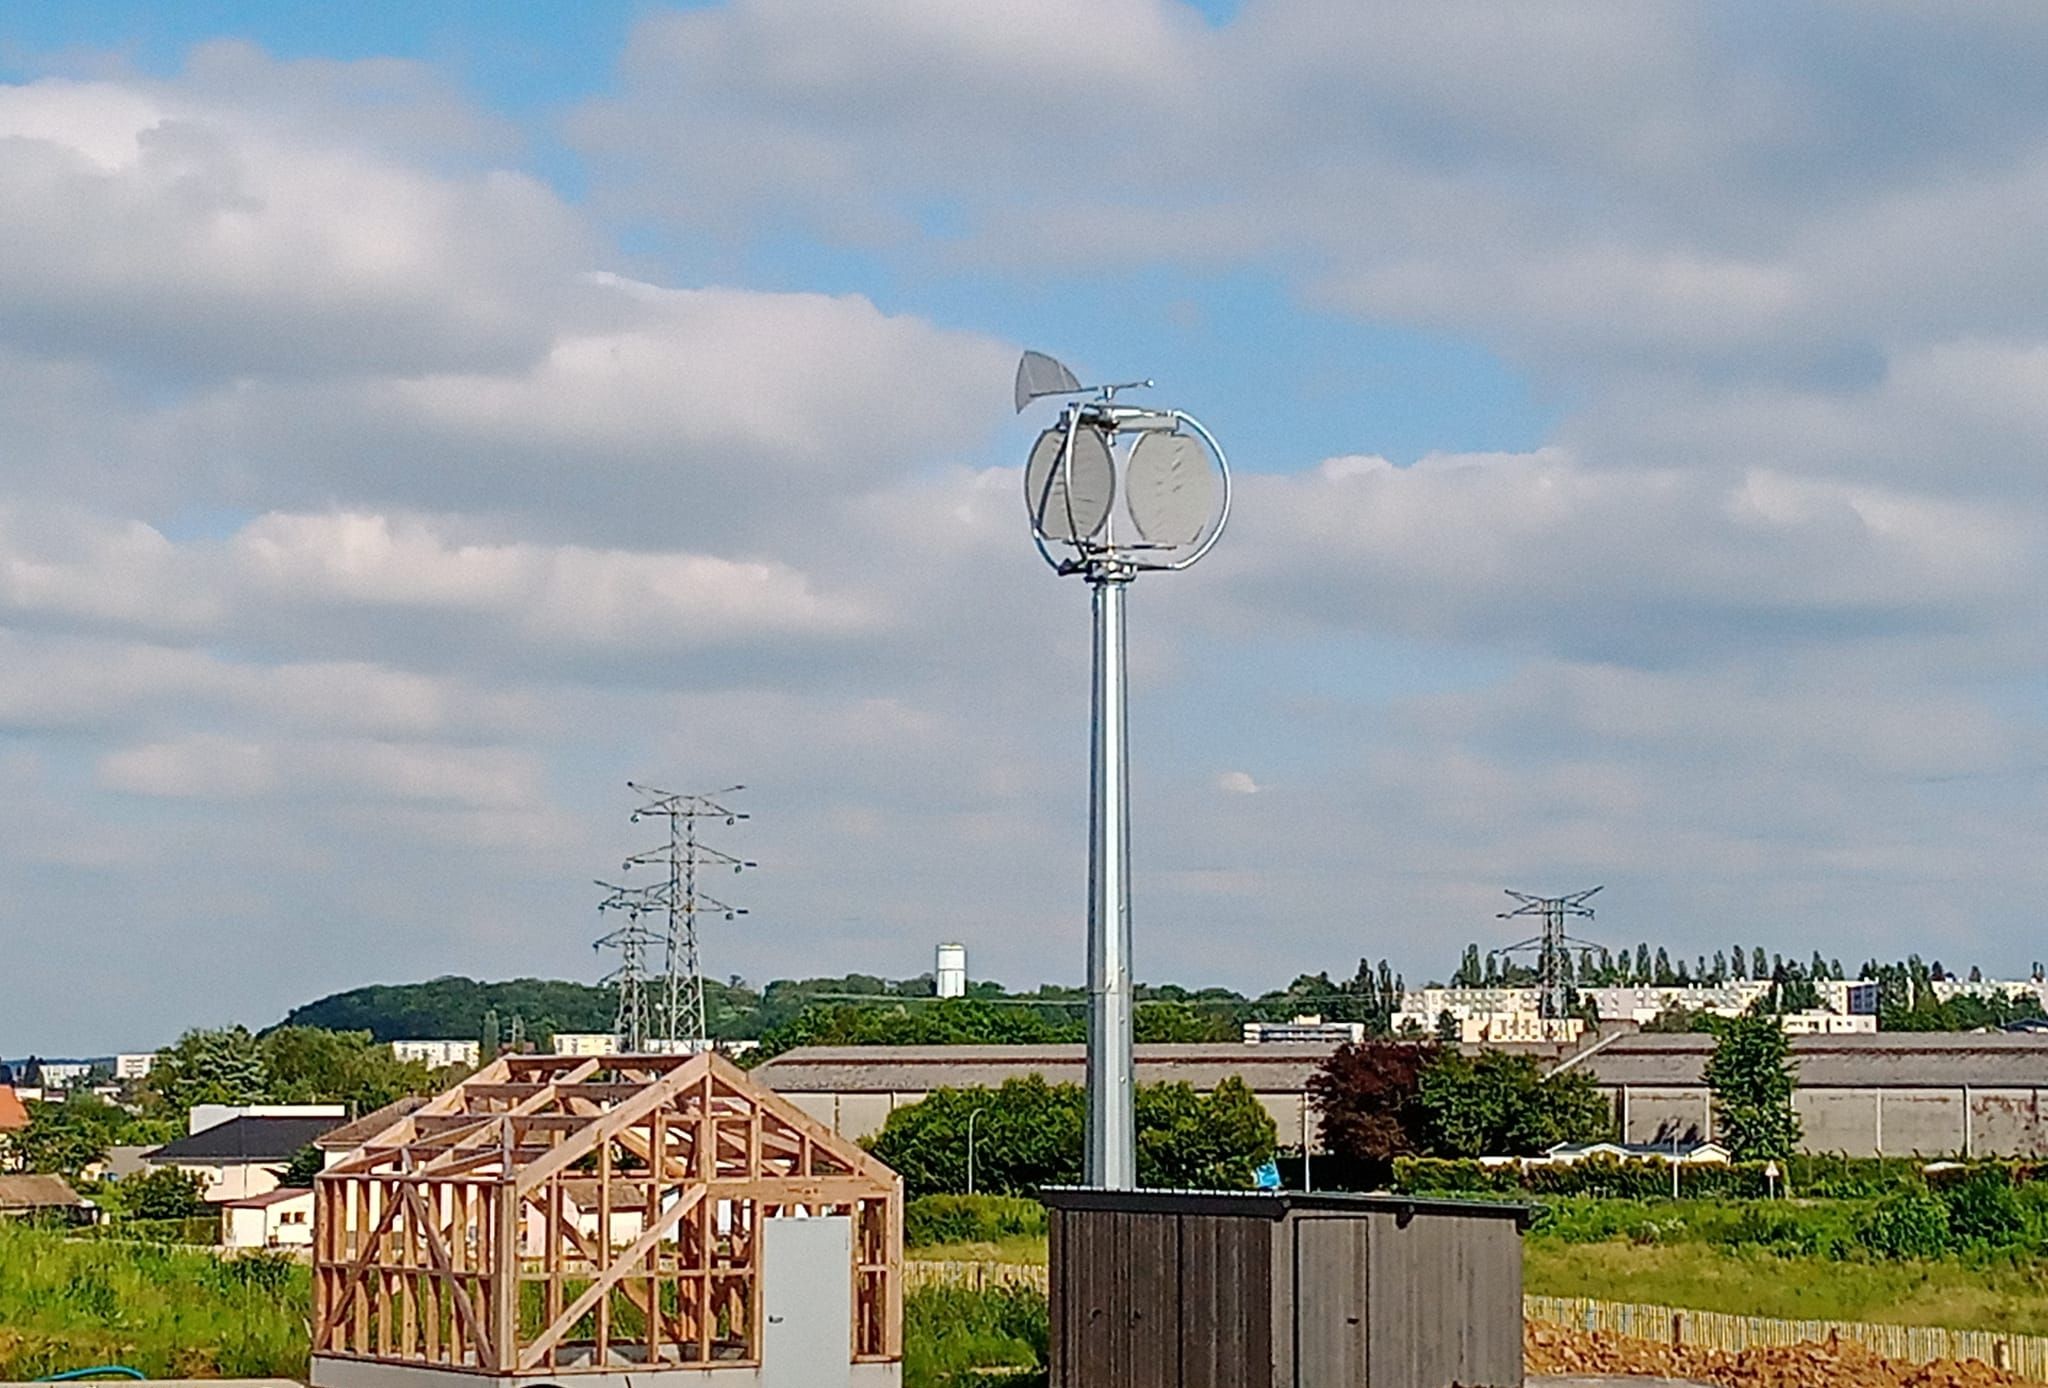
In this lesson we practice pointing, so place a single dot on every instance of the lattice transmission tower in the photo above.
(1549, 947)
(675, 1017)
(636, 943)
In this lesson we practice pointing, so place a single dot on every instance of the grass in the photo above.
(1018, 1248)
(71, 1303)
(2011, 1297)
(172, 1313)
(956, 1338)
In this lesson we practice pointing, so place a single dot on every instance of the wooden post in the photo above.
(604, 1252)
(505, 1204)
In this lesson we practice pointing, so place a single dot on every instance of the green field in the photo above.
(1794, 1260)
(72, 1303)
(2011, 1296)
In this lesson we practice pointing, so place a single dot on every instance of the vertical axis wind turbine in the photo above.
(1175, 490)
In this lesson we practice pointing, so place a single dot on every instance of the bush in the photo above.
(1602, 1177)
(931, 1219)
(1803, 1231)
(1823, 1176)
(1910, 1224)
(1982, 1208)
(166, 1192)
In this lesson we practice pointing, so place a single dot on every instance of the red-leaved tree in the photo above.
(1369, 1099)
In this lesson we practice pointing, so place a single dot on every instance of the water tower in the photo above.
(949, 971)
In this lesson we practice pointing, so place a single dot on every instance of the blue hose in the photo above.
(97, 1371)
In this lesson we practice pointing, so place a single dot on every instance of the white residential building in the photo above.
(1848, 996)
(1819, 1022)
(1639, 1004)
(439, 1055)
(1947, 988)
(586, 1043)
(1304, 1031)
(135, 1066)
(63, 1074)
(280, 1218)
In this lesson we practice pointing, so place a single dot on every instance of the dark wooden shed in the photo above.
(1283, 1289)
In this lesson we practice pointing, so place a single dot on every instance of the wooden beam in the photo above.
(505, 1206)
(615, 1272)
(857, 1157)
(566, 1228)
(603, 1129)
(352, 1275)
(444, 1265)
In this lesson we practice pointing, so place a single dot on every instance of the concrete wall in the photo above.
(1893, 1122)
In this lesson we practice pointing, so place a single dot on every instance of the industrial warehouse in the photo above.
(1873, 1094)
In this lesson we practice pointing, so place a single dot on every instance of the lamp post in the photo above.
(970, 1146)
(1174, 484)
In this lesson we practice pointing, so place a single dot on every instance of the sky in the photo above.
(415, 421)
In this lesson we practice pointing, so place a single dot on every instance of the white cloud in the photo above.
(158, 227)
(369, 516)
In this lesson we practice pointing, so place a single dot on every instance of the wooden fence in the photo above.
(2025, 1355)
(978, 1274)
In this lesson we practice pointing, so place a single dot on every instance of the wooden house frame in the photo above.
(558, 1215)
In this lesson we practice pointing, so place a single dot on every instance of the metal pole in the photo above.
(1112, 1138)
(1308, 1174)
(970, 1148)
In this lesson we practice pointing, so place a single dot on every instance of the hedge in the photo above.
(1815, 1177)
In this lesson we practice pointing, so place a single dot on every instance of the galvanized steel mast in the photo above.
(1175, 489)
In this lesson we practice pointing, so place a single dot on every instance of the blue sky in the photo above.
(423, 418)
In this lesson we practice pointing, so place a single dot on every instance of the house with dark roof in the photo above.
(246, 1155)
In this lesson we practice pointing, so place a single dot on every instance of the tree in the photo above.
(1446, 1027)
(1368, 1097)
(315, 1065)
(306, 1163)
(953, 1022)
(166, 1192)
(1188, 1140)
(210, 1067)
(63, 1138)
(1184, 1022)
(1751, 1076)
(1028, 1133)
(1500, 1105)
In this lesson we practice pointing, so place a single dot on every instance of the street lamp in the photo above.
(1174, 484)
(970, 1146)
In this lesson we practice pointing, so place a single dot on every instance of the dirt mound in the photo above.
(1557, 1350)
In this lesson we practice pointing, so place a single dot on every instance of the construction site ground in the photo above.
(1561, 1357)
